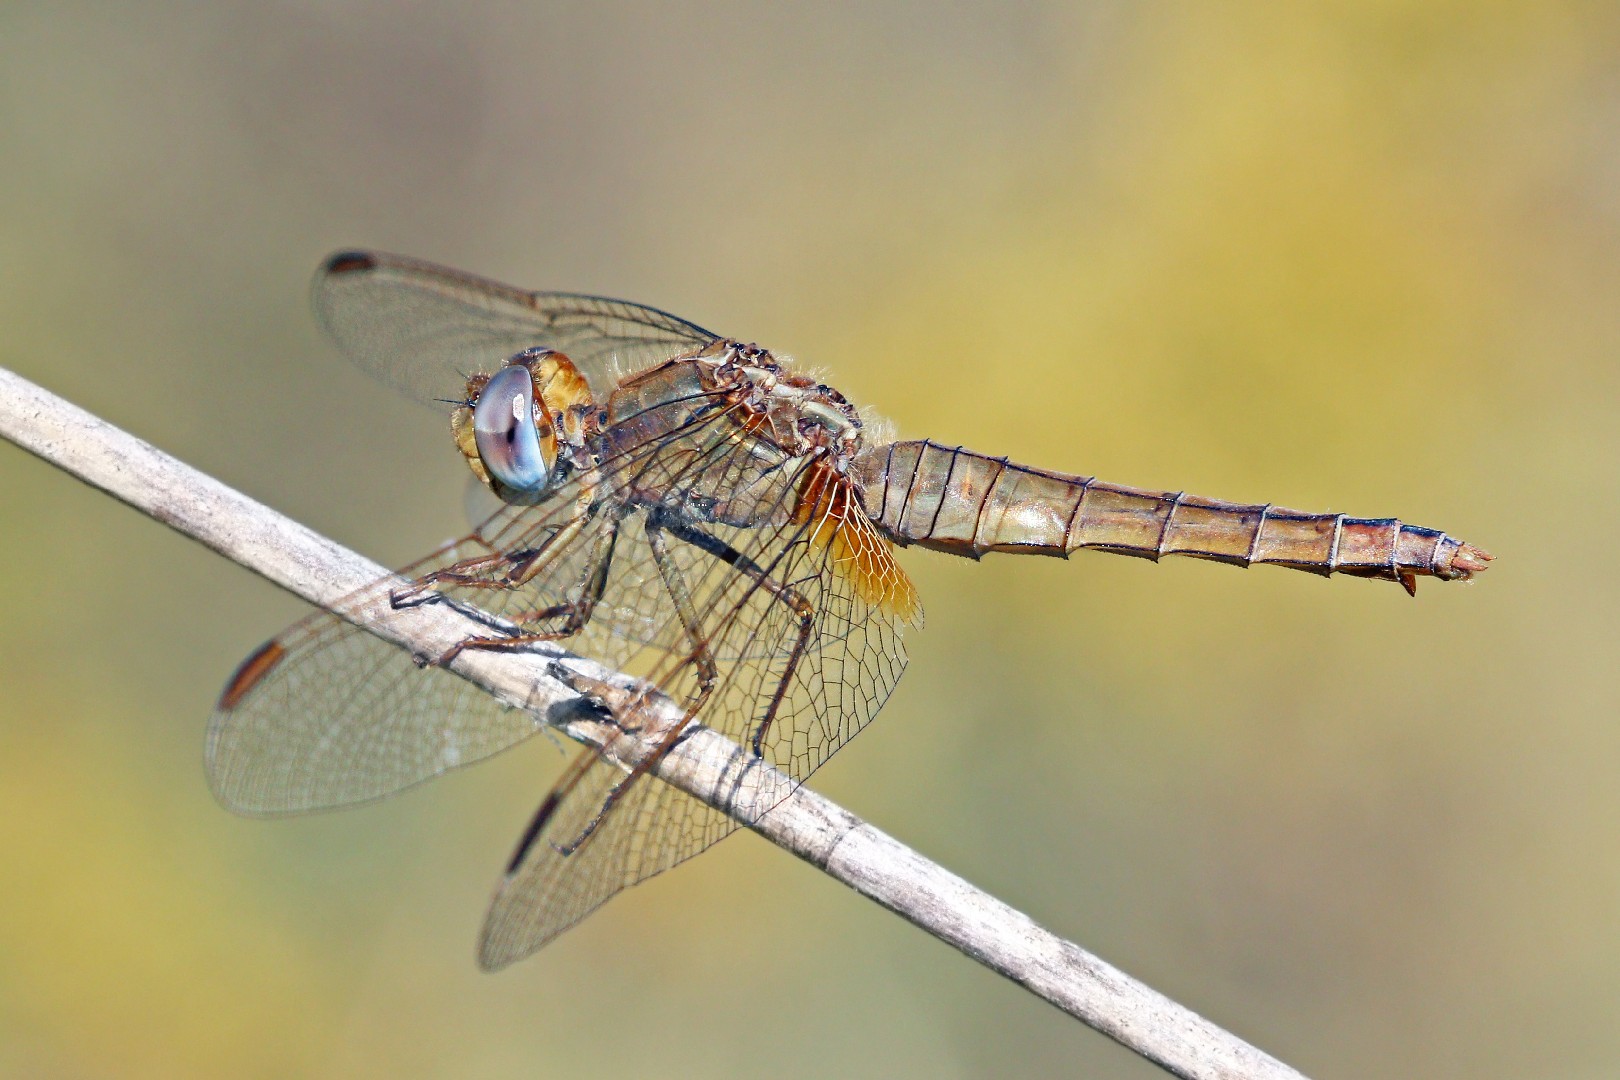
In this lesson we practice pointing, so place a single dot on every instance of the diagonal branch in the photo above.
(705, 765)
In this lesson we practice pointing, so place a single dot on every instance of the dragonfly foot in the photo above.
(585, 834)
(757, 743)
(412, 596)
(449, 655)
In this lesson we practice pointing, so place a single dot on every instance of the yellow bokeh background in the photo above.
(1349, 256)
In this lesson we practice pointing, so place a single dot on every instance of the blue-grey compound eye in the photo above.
(505, 433)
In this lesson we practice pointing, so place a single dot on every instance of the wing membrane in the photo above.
(652, 828)
(423, 328)
(344, 718)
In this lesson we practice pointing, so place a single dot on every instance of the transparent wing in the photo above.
(328, 715)
(423, 328)
(334, 716)
(653, 827)
(832, 676)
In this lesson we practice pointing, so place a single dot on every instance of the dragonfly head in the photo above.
(513, 435)
(516, 422)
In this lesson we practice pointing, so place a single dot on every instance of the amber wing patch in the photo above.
(863, 557)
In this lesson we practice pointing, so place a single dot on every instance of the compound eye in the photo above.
(507, 437)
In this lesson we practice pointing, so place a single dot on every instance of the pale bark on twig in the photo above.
(706, 765)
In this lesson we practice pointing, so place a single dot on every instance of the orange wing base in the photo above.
(839, 525)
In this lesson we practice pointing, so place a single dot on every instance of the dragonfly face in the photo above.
(508, 421)
(689, 508)
(513, 425)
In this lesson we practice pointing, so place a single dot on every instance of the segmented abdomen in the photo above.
(964, 503)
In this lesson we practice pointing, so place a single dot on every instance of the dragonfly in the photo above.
(694, 510)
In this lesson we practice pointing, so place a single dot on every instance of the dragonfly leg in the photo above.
(478, 571)
(685, 611)
(700, 657)
(625, 703)
(802, 610)
(574, 613)
(467, 572)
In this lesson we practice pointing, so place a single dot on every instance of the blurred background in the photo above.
(1359, 257)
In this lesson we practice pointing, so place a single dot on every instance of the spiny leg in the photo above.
(685, 610)
(574, 613)
(700, 657)
(521, 566)
(802, 610)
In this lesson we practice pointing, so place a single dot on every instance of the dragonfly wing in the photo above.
(328, 715)
(423, 329)
(652, 827)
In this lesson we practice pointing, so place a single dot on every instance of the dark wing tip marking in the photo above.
(250, 673)
(536, 825)
(349, 262)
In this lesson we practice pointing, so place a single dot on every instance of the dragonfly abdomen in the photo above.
(965, 503)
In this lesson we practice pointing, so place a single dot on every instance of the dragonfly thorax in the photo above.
(799, 415)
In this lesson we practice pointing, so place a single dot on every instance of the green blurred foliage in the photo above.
(1354, 256)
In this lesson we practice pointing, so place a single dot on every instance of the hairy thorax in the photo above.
(745, 436)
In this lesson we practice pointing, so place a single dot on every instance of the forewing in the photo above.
(341, 717)
(328, 715)
(423, 328)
